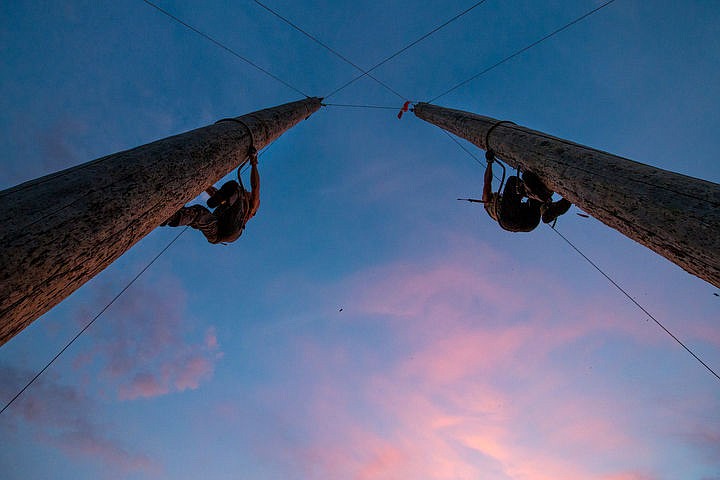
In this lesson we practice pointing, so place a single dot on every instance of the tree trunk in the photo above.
(674, 215)
(61, 230)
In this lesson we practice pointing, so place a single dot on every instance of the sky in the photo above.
(367, 325)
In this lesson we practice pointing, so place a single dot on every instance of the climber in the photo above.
(508, 208)
(234, 206)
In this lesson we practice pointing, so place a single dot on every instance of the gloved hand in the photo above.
(490, 156)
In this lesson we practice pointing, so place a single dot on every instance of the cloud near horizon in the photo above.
(482, 382)
(144, 347)
(62, 416)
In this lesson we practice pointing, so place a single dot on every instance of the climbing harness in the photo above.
(493, 127)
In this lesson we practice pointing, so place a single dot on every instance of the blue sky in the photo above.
(461, 351)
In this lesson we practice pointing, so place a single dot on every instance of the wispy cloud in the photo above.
(63, 417)
(483, 382)
(146, 346)
(91, 445)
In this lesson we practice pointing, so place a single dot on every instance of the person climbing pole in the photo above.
(233, 207)
(522, 203)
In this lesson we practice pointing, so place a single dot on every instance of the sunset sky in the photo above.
(367, 325)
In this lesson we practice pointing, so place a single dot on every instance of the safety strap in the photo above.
(493, 127)
(237, 120)
(252, 151)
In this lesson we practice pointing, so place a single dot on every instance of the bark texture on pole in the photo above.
(60, 230)
(672, 214)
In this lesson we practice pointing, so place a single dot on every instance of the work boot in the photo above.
(184, 216)
(173, 221)
(535, 188)
(552, 210)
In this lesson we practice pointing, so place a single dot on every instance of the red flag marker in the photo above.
(403, 109)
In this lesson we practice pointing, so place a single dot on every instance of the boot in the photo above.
(535, 188)
(173, 221)
(552, 210)
(184, 216)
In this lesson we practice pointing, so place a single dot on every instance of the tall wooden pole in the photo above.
(58, 231)
(674, 215)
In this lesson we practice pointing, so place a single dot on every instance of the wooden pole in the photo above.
(674, 215)
(61, 230)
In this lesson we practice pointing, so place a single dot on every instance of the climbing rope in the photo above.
(383, 107)
(507, 58)
(330, 49)
(523, 50)
(226, 48)
(410, 45)
(481, 73)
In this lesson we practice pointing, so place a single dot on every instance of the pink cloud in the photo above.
(143, 385)
(488, 383)
(146, 346)
(385, 461)
(211, 341)
(630, 476)
(192, 372)
(187, 374)
(469, 354)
